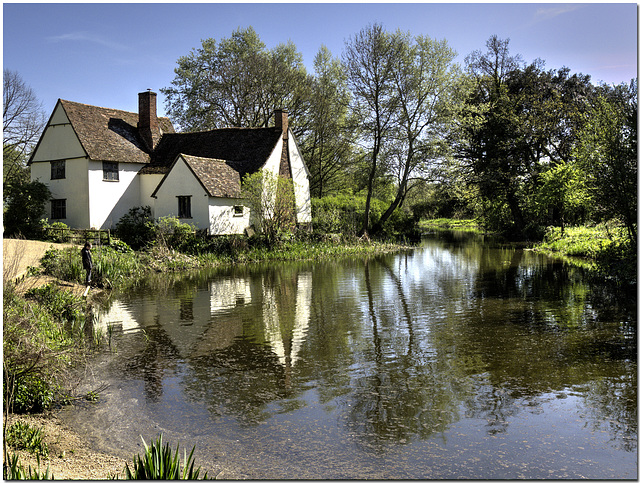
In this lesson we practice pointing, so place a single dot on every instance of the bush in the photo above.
(56, 232)
(33, 394)
(172, 233)
(137, 228)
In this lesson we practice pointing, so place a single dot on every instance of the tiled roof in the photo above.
(110, 134)
(244, 149)
(217, 178)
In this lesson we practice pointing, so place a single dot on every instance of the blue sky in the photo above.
(104, 54)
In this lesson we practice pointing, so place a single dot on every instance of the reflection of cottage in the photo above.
(99, 163)
(286, 336)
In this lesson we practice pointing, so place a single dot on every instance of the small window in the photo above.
(184, 206)
(110, 171)
(58, 209)
(57, 169)
(238, 210)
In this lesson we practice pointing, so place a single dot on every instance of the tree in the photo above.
(237, 82)
(424, 84)
(371, 58)
(518, 123)
(607, 150)
(271, 200)
(26, 205)
(23, 120)
(327, 147)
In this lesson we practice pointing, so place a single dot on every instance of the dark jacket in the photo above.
(87, 262)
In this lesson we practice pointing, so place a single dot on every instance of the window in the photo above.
(184, 206)
(110, 171)
(58, 209)
(238, 210)
(57, 169)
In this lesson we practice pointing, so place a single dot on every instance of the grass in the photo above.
(470, 226)
(578, 241)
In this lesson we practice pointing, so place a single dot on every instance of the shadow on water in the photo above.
(442, 362)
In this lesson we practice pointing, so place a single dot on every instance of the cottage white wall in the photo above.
(110, 200)
(300, 176)
(148, 184)
(74, 188)
(181, 182)
(222, 217)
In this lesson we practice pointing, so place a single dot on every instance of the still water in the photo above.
(453, 360)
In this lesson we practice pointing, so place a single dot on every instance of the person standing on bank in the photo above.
(87, 262)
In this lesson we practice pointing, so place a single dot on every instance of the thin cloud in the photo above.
(552, 12)
(87, 37)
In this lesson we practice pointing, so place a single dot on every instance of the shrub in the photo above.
(57, 232)
(159, 463)
(137, 228)
(33, 394)
(172, 233)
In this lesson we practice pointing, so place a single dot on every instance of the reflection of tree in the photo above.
(610, 405)
(402, 394)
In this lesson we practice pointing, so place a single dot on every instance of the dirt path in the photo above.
(19, 255)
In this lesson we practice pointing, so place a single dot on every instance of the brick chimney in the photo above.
(148, 126)
(282, 122)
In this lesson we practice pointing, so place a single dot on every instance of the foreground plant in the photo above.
(13, 470)
(159, 463)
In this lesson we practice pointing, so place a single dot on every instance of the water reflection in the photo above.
(392, 351)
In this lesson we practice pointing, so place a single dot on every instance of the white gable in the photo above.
(59, 140)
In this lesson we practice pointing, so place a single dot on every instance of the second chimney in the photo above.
(282, 122)
(148, 126)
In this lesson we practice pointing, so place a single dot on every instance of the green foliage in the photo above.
(563, 188)
(21, 435)
(244, 82)
(172, 233)
(137, 228)
(25, 206)
(607, 151)
(159, 463)
(56, 232)
(38, 332)
(13, 470)
(63, 305)
(33, 394)
(272, 202)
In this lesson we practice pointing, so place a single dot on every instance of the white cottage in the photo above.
(99, 163)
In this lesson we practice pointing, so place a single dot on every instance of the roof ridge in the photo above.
(83, 104)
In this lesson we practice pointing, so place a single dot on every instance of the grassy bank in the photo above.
(118, 267)
(469, 226)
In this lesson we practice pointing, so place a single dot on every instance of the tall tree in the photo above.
(424, 82)
(237, 82)
(371, 57)
(23, 120)
(327, 147)
(608, 152)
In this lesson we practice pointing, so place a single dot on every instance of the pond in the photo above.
(452, 360)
